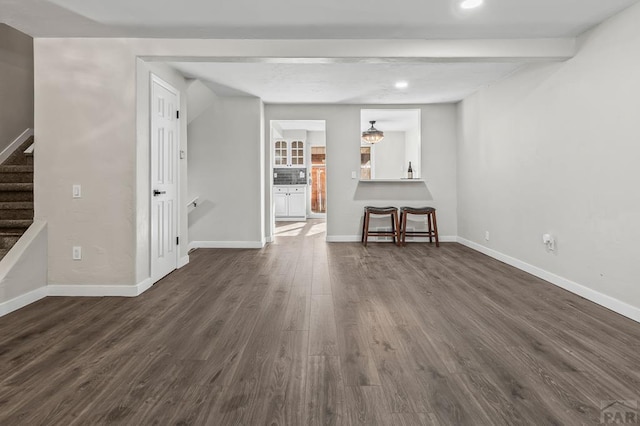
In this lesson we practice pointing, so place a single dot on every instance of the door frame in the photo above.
(155, 79)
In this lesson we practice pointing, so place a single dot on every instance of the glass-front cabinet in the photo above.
(288, 153)
(281, 153)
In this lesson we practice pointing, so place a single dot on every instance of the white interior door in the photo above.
(164, 178)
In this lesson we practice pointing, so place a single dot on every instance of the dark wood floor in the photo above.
(304, 332)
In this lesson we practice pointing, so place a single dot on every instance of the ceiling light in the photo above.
(471, 4)
(402, 85)
(372, 135)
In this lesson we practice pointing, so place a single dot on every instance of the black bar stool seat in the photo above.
(395, 228)
(432, 224)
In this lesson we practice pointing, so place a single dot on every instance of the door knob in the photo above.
(156, 192)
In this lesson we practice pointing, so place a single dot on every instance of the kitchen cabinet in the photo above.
(290, 202)
(288, 153)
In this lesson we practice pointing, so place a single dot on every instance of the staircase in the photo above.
(16, 197)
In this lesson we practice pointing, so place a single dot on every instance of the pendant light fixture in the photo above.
(372, 135)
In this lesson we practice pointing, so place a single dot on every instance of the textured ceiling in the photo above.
(347, 83)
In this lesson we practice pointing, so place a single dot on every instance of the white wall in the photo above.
(554, 149)
(226, 170)
(91, 124)
(346, 198)
(16, 84)
(389, 156)
(316, 138)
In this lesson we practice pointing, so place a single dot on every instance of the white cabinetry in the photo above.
(288, 153)
(290, 202)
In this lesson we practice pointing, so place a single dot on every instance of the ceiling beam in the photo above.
(331, 51)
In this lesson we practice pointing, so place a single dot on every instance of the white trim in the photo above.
(609, 302)
(6, 153)
(81, 290)
(268, 240)
(184, 261)
(144, 285)
(343, 238)
(358, 238)
(226, 244)
(22, 300)
(316, 215)
(291, 219)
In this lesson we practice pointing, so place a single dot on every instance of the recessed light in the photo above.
(402, 85)
(471, 4)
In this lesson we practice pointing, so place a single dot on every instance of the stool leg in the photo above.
(397, 230)
(435, 229)
(403, 227)
(394, 221)
(364, 218)
(366, 228)
(430, 230)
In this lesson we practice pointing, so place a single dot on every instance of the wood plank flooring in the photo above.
(304, 332)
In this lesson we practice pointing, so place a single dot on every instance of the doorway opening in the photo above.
(318, 180)
(298, 169)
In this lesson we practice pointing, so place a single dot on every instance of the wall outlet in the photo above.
(549, 241)
(486, 235)
(354, 175)
(77, 191)
(77, 253)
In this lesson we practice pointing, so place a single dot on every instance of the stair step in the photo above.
(7, 241)
(16, 168)
(16, 205)
(18, 157)
(23, 214)
(16, 177)
(15, 223)
(16, 186)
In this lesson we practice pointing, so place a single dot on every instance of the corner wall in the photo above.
(16, 84)
(226, 172)
(554, 149)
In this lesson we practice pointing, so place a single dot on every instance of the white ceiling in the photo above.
(357, 82)
(288, 19)
(347, 83)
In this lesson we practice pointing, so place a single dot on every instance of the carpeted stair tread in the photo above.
(16, 197)
(16, 168)
(16, 205)
(15, 223)
(18, 157)
(16, 186)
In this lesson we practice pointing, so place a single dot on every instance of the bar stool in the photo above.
(432, 224)
(395, 229)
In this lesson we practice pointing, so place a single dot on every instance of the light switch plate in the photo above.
(77, 191)
(77, 253)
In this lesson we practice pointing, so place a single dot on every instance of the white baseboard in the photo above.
(183, 261)
(608, 302)
(268, 240)
(226, 244)
(81, 290)
(343, 238)
(358, 238)
(291, 219)
(15, 145)
(110, 290)
(22, 300)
